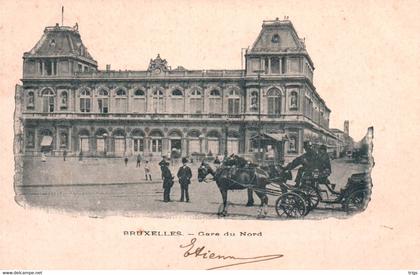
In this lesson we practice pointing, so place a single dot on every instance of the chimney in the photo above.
(108, 67)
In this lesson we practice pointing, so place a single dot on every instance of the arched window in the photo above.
(30, 105)
(85, 101)
(64, 100)
(177, 101)
(176, 92)
(254, 101)
(139, 101)
(233, 102)
(293, 100)
(215, 102)
(120, 101)
(139, 93)
(196, 102)
(158, 101)
(274, 102)
(48, 99)
(103, 101)
(121, 92)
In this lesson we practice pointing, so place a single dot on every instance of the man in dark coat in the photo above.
(168, 181)
(308, 161)
(184, 175)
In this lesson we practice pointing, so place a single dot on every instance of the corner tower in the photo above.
(59, 52)
(279, 51)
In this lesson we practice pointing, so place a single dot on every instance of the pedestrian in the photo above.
(64, 154)
(184, 176)
(43, 157)
(138, 160)
(81, 156)
(168, 181)
(125, 160)
(147, 171)
(216, 161)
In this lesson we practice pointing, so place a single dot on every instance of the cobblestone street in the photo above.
(103, 187)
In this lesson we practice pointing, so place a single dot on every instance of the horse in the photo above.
(229, 178)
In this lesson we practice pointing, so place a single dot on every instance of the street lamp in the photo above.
(226, 136)
(259, 113)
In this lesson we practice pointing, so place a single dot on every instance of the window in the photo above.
(274, 102)
(48, 99)
(64, 100)
(30, 101)
(158, 102)
(176, 92)
(120, 101)
(266, 65)
(49, 67)
(120, 92)
(85, 101)
(177, 101)
(275, 65)
(138, 145)
(233, 102)
(196, 102)
(139, 93)
(215, 102)
(80, 67)
(254, 101)
(275, 38)
(293, 100)
(283, 65)
(103, 101)
(139, 102)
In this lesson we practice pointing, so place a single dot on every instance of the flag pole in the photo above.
(62, 15)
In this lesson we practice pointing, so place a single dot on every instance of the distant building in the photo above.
(66, 103)
(344, 141)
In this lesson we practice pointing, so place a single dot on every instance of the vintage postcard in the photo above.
(210, 135)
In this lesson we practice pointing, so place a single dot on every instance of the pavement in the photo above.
(106, 187)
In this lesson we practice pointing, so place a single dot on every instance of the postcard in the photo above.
(209, 135)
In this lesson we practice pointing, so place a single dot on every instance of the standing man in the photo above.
(138, 160)
(125, 159)
(184, 175)
(168, 181)
(64, 154)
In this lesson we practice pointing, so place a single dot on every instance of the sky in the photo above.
(355, 46)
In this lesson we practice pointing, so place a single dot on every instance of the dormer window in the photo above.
(52, 43)
(275, 38)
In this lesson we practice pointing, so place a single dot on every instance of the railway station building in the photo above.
(66, 104)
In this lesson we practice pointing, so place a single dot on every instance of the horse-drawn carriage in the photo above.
(293, 201)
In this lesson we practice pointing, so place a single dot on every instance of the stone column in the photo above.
(184, 149)
(36, 140)
(69, 139)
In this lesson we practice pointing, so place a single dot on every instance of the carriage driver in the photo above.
(309, 161)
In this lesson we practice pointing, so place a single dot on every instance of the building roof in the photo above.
(279, 36)
(61, 41)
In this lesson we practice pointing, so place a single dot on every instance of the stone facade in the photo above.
(67, 104)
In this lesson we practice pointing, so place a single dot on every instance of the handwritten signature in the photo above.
(201, 252)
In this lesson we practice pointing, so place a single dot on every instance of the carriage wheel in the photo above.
(312, 196)
(356, 201)
(291, 205)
